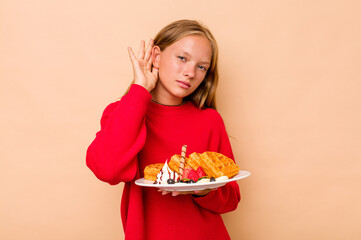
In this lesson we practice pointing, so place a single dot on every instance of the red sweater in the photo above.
(136, 132)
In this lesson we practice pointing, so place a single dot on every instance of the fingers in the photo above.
(143, 54)
(197, 192)
(149, 59)
(155, 72)
(135, 63)
(163, 192)
(131, 54)
(141, 50)
(174, 193)
(148, 51)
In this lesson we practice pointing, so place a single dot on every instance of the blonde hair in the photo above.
(205, 95)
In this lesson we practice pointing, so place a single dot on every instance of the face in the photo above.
(182, 67)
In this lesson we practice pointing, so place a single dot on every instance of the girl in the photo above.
(171, 102)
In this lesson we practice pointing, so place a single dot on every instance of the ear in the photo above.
(156, 54)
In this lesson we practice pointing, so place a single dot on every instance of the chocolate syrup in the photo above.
(169, 176)
(160, 178)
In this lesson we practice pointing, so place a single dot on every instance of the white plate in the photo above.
(191, 186)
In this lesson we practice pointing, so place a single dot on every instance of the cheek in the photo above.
(174, 66)
(163, 70)
(169, 68)
(198, 82)
(200, 76)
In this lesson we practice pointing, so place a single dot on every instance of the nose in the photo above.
(189, 70)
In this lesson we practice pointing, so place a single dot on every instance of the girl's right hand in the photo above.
(144, 73)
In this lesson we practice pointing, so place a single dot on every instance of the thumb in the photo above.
(134, 60)
(131, 55)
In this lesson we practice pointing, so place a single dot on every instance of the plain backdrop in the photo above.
(289, 94)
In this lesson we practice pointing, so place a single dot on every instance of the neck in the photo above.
(161, 97)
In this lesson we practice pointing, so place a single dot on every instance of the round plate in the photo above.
(180, 187)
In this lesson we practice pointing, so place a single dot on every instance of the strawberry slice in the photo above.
(186, 172)
(193, 175)
(200, 172)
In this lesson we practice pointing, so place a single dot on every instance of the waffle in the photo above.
(151, 171)
(175, 161)
(216, 164)
(195, 161)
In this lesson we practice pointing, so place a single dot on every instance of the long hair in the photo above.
(205, 95)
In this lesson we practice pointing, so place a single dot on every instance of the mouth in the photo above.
(183, 84)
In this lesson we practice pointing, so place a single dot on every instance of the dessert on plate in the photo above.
(197, 168)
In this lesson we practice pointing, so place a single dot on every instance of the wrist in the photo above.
(200, 193)
(143, 85)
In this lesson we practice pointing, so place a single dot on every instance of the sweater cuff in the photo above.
(137, 98)
(203, 196)
(138, 95)
(140, 91)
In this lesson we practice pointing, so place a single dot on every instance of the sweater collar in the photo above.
(154, 107)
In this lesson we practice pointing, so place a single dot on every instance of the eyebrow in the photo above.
(202, 62)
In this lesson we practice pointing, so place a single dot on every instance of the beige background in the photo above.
(289, 93)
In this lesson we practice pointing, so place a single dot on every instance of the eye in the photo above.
(203, 68)
(182, 58)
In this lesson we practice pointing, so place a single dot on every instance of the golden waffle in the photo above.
(214, 165)
(175, 161)
(195, 161)
(218, 165)
(151, 171)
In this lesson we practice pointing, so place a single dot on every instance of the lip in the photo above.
(183, 84)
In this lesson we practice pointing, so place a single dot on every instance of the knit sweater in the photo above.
(136, 132)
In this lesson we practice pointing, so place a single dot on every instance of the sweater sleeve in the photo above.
(112, 156)
(227, 197)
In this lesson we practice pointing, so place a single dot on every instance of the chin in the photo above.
(181, 94)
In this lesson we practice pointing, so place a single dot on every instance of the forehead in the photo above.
(194, 45)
